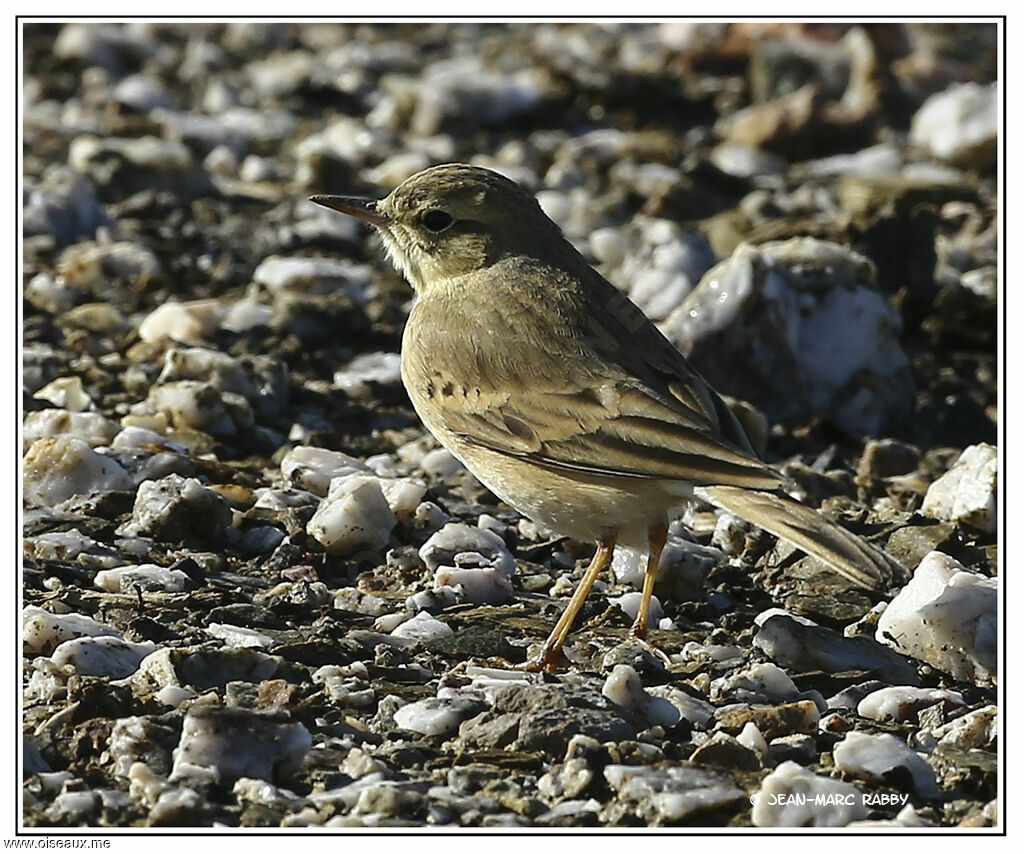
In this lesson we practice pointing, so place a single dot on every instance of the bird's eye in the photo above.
(437, 220)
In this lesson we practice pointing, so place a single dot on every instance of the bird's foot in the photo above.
(640, 637)
(548, 660)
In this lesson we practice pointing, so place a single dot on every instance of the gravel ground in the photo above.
(258, 594)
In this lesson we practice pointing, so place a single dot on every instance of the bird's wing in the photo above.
(610, 427)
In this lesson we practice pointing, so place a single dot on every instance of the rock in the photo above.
(966, 494)
(624, 688)
(422, 628)
(551, 730)
(354, 515)
(483, 585)
(960, 125)
(314, 468)
(65, 393)
(976, 730)
(42, 631)
(724, 751)
(360, 376)
(671, 794)
(772, 721)
(812, 305)
(177, 508)
(222, 745)
(885, 458)
(903, 704)
(102, 655)
(804, 645)
(91, 427)
(63, 205)
(197, 405)
(629, 604)
(885, 759)
(945, 616)
(59, 467)
(312, 275)
(760, 683)
(792, 796)
(122, 166)
(436, 716)
(190, 322)
(454, 539)
(144, 577)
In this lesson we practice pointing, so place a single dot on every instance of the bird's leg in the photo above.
(549, 654)
(656, 537)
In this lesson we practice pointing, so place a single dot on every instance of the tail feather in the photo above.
(806, 528)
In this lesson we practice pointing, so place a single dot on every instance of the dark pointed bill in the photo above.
(364, 209)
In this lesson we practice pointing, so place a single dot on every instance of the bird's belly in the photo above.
(581, 505)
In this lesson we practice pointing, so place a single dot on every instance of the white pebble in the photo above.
(223, 744)
(357, 377)
(792, 796)
(422, 627)
(872, 757)
(42, 631)
(440, 463)
(902, 702)
(455, 538)
(481, 586)
(947, 617)
(189, 322)
(629, 603)
(147, 576)
(317, 275)
(623, 687)
(66, 393)
(967, 492)
(959, 123)
(112, 657)
(246, 314)
(403, 495)
(434, 716)
(58, 467)
(134, 438)
(750, 737)
(314, 468)
(88, 426)
(239, 637)
(354, 515)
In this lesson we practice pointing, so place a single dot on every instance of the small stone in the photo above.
(960, 125)
(886, 759)
(59, 467)
(111, 657)
(967, 492)
(792, 796)
(422, 628)
(805, 645)
(354, 516)
(222, 745)
(175, 509)
(725, 751)
(903, 703)
(313, 469)
(435, 716)
(945, 616)
(772, 721)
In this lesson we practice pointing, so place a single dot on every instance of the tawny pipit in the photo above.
(559, 394)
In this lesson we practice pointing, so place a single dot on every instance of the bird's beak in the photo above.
(364, 209)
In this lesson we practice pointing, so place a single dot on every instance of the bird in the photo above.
(559, 394)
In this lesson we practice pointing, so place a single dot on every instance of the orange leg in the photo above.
(656, 537)
(551, 652)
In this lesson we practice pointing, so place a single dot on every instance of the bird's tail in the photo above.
(806, 528)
